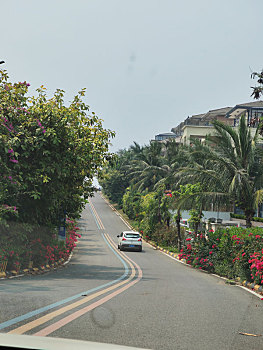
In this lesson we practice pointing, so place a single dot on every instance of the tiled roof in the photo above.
(252, 104)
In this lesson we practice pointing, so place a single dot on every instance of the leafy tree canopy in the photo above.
(49, 152)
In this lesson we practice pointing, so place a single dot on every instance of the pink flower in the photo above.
(188, 239)
(210, 253)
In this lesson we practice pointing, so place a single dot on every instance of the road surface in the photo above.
(146, 299)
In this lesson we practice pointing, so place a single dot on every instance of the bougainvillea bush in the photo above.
(36, 246)
(49, 154)
(233, 252)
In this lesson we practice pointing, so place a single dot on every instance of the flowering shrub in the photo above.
(256, 267)
(234, 252)
(198, 251)
(40, 251)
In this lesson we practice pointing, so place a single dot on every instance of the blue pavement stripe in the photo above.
(64, 301)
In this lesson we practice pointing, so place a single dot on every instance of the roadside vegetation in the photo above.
(49, 154)
(152, 184)
(229, 252)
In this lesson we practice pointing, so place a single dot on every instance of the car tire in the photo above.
(118, 246)
(140, 249)
(121, 249)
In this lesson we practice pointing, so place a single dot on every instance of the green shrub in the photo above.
(240, 216)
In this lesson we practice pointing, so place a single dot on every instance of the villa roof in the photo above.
(239, 109)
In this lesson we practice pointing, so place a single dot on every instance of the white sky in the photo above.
(146, 64)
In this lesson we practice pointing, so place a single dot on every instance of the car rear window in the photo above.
(132, 235)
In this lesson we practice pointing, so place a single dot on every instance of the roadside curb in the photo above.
(36, 270)
(250, 286)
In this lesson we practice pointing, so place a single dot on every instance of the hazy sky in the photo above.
(146, 64)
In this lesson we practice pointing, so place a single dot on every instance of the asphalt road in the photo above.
(146, 299)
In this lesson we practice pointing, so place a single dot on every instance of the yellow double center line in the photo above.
(126, 283)
(96, 215)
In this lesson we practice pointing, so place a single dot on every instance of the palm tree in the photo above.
(230, 166)
(155, 165)
(146, 168)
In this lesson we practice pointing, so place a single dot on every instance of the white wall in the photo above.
(208, 214)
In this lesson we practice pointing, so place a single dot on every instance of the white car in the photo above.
(130, 240)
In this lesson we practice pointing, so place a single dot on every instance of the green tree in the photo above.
(186, 197)
(146, 167)
(49, 152)
(150, 211)
(132, 203)
(115, 176)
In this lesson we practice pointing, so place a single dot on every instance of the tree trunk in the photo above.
(179, 230)
(159, 217)
(249, 215)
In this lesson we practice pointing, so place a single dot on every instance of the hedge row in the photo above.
(240, 216)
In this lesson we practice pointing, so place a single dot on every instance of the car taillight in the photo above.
(139, 239)
(124, 239)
